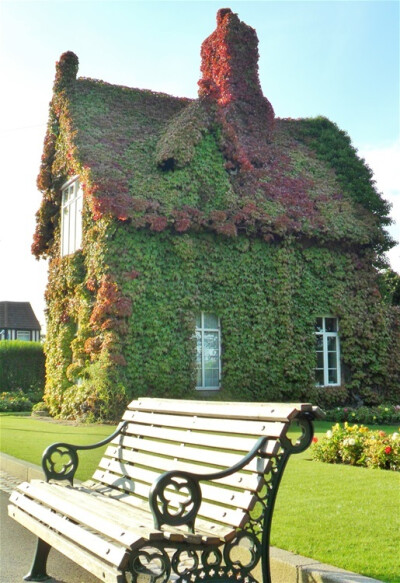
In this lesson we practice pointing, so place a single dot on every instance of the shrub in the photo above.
(357, 445)
(21, 365)
(40, 406)
(14, 401)
(327, 397)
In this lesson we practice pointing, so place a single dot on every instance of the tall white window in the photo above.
(71, 217)
(208, 337)
(327, 371)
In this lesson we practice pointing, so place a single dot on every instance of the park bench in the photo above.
(184, 492)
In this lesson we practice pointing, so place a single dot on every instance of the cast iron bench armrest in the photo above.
(188, 482)
(66, 450)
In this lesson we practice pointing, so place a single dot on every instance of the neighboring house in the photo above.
(205, 247)
(18, 322)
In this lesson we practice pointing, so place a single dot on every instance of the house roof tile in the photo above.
(18, 316)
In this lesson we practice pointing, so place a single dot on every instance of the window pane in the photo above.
(332, 377)
(198, 320)
(23, 335)
(319, 342)
(211, 321)
(331, 324)
(332, 360)
(78, 235)
(211, 377)
(199, 354)
(319, 377)
(72, 226)
(319, 325)
(211, 346)
(320, 360)
(332, 343)
(65, 231)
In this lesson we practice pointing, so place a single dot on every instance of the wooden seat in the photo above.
(176, 477)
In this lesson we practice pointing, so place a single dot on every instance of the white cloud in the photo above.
(385, 164)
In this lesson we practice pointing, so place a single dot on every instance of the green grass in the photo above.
(26, 438)
(342, 515)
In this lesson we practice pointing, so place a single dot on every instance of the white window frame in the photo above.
(71, 216)
(325, 351)
(22, 335)
(201, 331)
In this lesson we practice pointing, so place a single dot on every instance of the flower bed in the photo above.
(380, 414)
(358, 445)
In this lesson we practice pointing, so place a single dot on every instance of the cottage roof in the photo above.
(223, 162)
(18, 316)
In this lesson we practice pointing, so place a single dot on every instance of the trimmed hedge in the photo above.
(22, 366)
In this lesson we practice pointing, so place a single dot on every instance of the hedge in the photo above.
(22, 365)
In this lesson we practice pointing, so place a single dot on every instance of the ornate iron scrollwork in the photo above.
(60, 460)
(304, 423)
(153, 562)
(217, 575)
(243, 552)
(185, 503)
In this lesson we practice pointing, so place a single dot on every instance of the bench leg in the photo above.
(38, 569)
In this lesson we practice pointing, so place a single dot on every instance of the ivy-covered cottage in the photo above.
(205, 247)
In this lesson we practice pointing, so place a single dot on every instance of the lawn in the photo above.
(342, 515)
(26, 438)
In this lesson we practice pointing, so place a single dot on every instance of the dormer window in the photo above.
(71, 217)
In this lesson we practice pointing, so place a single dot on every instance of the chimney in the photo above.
(230, 61)
(230, 81)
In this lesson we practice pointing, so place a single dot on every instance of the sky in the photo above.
(336, 58)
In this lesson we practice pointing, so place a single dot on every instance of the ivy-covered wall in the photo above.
(139, 339)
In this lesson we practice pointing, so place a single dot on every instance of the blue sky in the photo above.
(334, 58)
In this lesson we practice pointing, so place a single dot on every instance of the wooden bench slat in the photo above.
(209, 529)
(220, 409)
(110, 497)
(228, 426)
(115, 555)
(63, 500)
(139, 496)
(220, 459)
(120, 470)
(241, 480)
(104, 572)
(233, 497)
(200, 537)
(189, 436)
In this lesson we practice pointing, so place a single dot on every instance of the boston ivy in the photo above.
(208, 205)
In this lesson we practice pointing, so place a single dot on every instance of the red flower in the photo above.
(315, 439)
(388, 449)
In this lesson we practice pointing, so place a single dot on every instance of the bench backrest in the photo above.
(200, 437)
